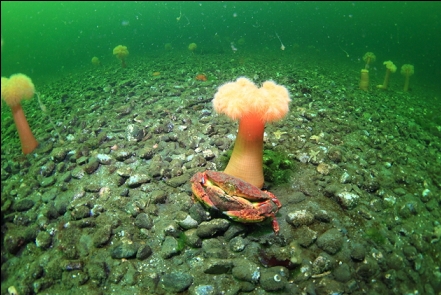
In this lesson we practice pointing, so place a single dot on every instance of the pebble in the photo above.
(169, 247)
(299, 218)
(47, 181)
(78, 173)
(188, 223)
(43, 240)
(331, 241)
(208, 229)
(104, 159)
(23, 205)
(305, 236)
(347, 200)
(237, 244)
(358, 252)
(214, 248)
(144, 252)
(192, 239)
(205, 290)
(92, 165)
(102, 236)
(122, 154)
(124, 250)
(246, 270)
(176, 281)
(59, 154)
(273, 279)
(137, 179)
(322, 263)
(217, 266)
(143, 220)
(178, 181)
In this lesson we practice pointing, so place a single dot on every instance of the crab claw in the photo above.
(276, 227)
(245, 215)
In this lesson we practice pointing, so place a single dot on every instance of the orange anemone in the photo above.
(201, 77)
(253, 107)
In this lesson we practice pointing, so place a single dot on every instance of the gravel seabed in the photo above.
(104, 205)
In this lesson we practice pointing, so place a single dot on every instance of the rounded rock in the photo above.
(299, 218)
(331, 241)
(176, 281)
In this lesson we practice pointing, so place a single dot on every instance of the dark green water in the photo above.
(49, 38)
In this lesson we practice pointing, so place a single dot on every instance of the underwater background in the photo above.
(104, 205)
(49, 38)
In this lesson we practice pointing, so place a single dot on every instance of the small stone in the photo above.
(144, 252)
(322, 263)
(102, 236)
(47, 169)
(134, 133)
(82, 160)
(342, 273)
(273, 279)
(178, 180)
(323, 168)
(347, 200)
(23, 205)
(80, 212)
(122, 154)
(43, 240)
(143, 220)
(158, 196)
(214, 248)
(188, 223)
(66, 176)
(146, 153)
(331, 241)
(208, 229)
(246, 270)
(92, 165)
(237, 244)
(59, 154)
(138, 179)
(208, 154)
(305, 236)
(192, 239)
(124, 172)
(176, 281)
(358, 252)
(299, 218)
(217, 266)
(78, 173)
(47, 181)
(329, 286)
(124, 250)
(169, 247)
(104, 159)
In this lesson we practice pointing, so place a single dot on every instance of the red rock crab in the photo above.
(239, 200)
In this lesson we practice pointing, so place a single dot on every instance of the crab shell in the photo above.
(236, 198)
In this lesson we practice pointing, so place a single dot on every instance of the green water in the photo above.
(44, 39)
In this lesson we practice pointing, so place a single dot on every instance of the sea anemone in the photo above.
(364, 80)
(368, 58)
(253, 107)
(121, 52)
(192, 47)
(168, 46)
(201, 77)
(96, 61)
(13, 90)
(390, 68)
(407, 71)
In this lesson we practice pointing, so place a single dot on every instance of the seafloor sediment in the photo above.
(104, 204)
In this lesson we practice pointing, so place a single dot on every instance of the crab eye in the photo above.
(202, 180)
